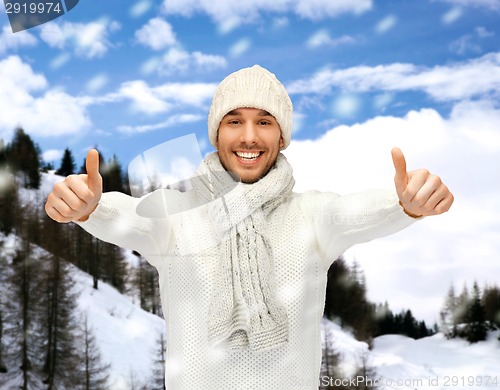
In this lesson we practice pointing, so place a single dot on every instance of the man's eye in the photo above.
(233, 122)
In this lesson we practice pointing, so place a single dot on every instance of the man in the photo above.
(242, 259)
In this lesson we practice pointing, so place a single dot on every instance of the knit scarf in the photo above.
(244, 310)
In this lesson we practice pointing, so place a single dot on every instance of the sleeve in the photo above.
(115, 220)
(342, 221)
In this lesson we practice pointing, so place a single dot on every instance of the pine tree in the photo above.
(112, 176)
(333, 377)
(3, 367)
(365, 371)
(145, 281)
(23, 157)
(3, 282)
(463, 302)
(110, 265)
(61, 358)
(25, 340)
(330, 363)
(403, 323)
(157, 381)
(410, 327)
(475, 317)
(346, 300)
(95, 372)
(491, 303)
(67, 164)
(9, 202)
(384, 320)
(3, 160)
(448, 313)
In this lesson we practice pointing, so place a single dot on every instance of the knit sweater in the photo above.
(306, 233)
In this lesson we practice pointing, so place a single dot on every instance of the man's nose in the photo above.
(249, 134)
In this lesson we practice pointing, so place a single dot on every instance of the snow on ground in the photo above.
(437, 363)
(431, 363)
(126, 335)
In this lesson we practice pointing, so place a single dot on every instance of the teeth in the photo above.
(247, 155)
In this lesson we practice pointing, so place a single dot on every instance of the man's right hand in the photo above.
(77, 196)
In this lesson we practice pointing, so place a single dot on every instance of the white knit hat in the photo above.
(253, 87)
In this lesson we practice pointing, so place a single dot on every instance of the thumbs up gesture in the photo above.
(77, 196)
(420, 193)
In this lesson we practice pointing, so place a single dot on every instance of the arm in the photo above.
(115, 220)
(110, 217)
(343, 221)
(363, 217)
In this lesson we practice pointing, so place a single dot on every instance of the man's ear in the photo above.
(282, 142)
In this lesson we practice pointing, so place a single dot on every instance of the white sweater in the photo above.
(306, 234)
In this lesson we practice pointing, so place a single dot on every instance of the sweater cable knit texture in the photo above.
(304, 232)
(244, 310)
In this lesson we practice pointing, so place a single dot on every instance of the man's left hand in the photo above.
(420, 192)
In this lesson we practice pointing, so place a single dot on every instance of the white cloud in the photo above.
(464, 149)
(487, 4)
(156, 34)
(156, 99)
(144, 98)
(177, 60)
(140, 8)
(208, 61)
(322, 38)
(97, 82)
(458, 81)
(280, 22)
(114, 26)
(452, 15)
(10, 41)
(52, 155)
(298, 122)
(229, 13)
(229, 24)
(25, 99)
(483, 32)
(321, 9)
(151, 65)
(87, 40)
(465, 44)
(381, 101)
(386, 24)
(194, 94)
(60, 61)
(171, 121)
(478, 122)
(470, 42)
(240, 47)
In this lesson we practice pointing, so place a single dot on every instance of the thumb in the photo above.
(401, 177)
(92, 167)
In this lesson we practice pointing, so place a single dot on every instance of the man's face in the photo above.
(248, 143)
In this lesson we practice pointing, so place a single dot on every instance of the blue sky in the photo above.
(363, 75)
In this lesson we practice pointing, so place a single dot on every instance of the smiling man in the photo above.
(248, 143)
(242, 259)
